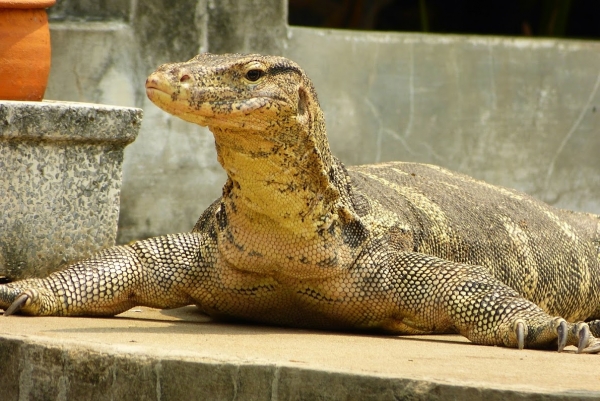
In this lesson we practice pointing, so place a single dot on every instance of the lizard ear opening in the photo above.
(303, 105)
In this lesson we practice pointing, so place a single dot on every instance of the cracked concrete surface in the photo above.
(180, 354)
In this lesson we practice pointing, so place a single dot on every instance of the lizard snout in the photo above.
(152, 82)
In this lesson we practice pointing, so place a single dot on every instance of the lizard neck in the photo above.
(279, 181)
(285, 209)
(281, 212)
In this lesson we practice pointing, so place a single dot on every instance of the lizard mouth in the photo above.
(161, 89)
(153, 93)
(151, 89)
(154, 87)
(211, 106)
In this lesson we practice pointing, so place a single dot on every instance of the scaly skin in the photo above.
(299, 240)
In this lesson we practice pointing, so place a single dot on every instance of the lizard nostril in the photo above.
(151, 82)
(184, 78)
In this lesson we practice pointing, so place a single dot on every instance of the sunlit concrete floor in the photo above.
(152, 354)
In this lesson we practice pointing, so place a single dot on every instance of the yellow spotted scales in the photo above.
(297, 239)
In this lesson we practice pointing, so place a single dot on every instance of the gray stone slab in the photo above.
(146, 354)
(60, 178)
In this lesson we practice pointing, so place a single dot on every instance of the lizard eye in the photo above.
(254, 75)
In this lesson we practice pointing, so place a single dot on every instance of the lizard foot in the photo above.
(586, 342)
(554, 333)
(28, 302)
(542, 335)
(17, 304)
(594, 327)
(8, 295)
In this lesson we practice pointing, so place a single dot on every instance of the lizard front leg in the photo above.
(157, 272)
(435, 295)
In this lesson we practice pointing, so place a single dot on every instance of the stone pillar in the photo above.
(60, 181)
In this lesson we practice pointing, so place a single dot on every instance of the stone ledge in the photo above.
(162, 355)
(68, 121)
(60, 182)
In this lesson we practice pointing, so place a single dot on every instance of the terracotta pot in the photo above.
(24, 49)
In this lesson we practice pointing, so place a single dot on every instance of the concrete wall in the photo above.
(516, 112)
(522, 113)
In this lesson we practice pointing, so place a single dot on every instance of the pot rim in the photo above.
(26, 3)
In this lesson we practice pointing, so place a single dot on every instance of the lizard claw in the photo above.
(17, 304)
(584, 337)
(587, 344)
(544, 333)
(33, 301)
(521, 332)
(592, 349)
(562, 333)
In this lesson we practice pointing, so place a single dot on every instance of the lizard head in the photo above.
(266, 121)
(233, 91)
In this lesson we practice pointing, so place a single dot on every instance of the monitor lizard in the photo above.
(298, 239)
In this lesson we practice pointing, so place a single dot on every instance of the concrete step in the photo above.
(147, 354)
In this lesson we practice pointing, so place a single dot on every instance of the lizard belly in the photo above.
(334, 303)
